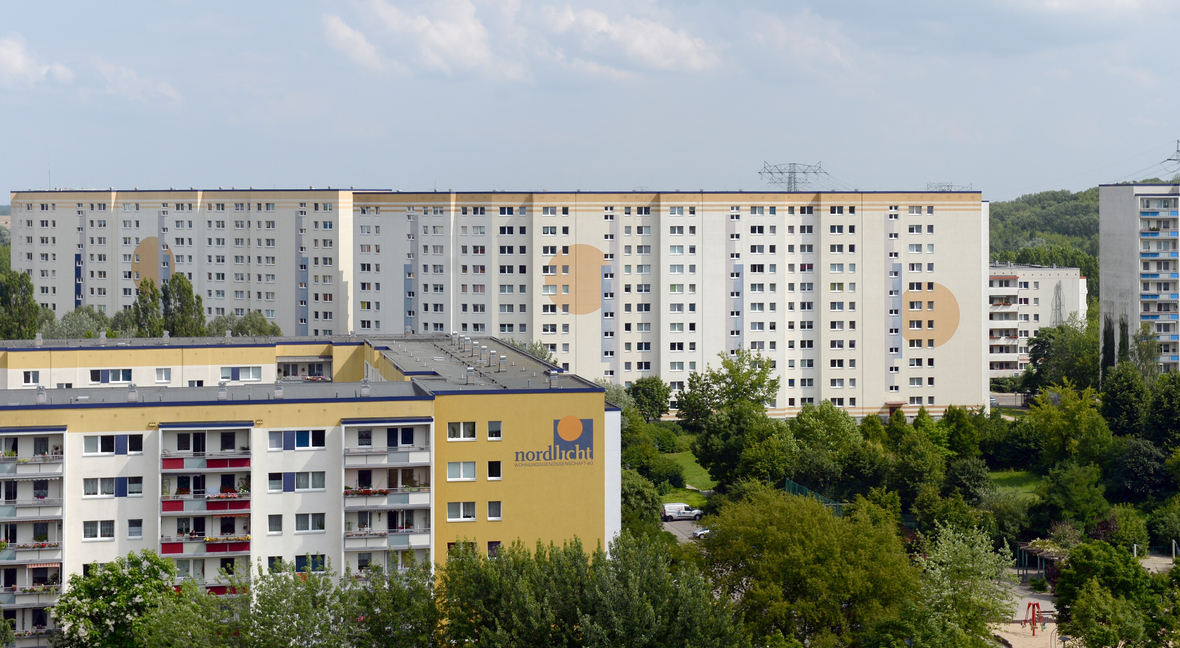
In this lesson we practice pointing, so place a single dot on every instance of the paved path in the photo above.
(682, 529)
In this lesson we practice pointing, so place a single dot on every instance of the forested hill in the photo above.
(4, 210)
(1049, 217)
(1049, 228)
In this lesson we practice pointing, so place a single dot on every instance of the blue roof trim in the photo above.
(206, 424)
(614, 409)
(218, 345)
(76, 405)
(507, 392)
(387, 420)
(32, 429)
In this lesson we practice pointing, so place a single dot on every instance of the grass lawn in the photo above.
(1013, 412)
(694, 475)
(682, 495)
(1021, 481)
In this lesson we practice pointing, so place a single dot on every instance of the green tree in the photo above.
(394, 608)
(252, 324)
(961, 434)
(109, 606)
(970, 478)
(19, 311)
(1074, 492)
(296, 608)
(191, 617)
(1066, 351)
(919, 463)
(1136, 470)
(799, 573)
(1130, 528)
(965, 589)
(82, 322)
(651, 397)
(1164, 523)
(826, 436)
(1071, 425)
(184, 312)
(633, 598)
(1101, 620)
(641, 504)
(721, 445)
(616, 394)
(1114, 568)
(146, 311)
(5, 257)
(743, 376)
(1163, 415)
(1009, 511)
(1124, 400)
(536, 347)
(1145, 353)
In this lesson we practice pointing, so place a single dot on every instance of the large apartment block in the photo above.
(354, 452)
(1140, 262)
(1022, 299)
(874, 301)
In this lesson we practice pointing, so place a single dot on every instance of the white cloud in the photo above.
(352, 43)
(126, 82)
(451, 40)
(18, 66)
(808, 40)
(647, 43)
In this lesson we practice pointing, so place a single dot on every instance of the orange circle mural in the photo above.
(146, 262)
(569, 428)
(584, 279)
(944, 314)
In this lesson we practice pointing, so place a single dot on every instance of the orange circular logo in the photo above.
(569, 428)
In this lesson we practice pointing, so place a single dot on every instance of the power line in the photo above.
(793, 175)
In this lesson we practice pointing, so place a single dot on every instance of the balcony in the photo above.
(208, 462)
(49, 465)
(373, 539)
(398, 456)
(410, 497)
(209, 504)
(198, 546)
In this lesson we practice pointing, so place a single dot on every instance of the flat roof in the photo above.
(498, 191)
(434, 364)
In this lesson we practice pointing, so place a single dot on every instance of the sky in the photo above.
(1006, 96)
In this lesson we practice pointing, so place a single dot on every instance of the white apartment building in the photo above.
(873, 300)
(1139, 261)
(1021, 300)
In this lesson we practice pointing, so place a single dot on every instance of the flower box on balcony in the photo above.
(210, 539)
(363, 492)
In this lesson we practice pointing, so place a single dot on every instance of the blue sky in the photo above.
(1009, 96)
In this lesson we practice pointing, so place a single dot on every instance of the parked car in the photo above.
(680, 511)
(993, 401)
(700, 533)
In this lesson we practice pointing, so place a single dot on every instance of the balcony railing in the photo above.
(385, 449)
(36, 501)
(380, 492)
(41, 458)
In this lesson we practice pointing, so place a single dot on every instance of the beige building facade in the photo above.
(873, 300)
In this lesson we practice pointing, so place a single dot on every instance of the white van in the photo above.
(680, 511)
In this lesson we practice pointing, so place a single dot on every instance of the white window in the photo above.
(494, 510)
(458, 511)
(274, 524)
(98, 487)
(309, 481)
(164, 374)
(32, 377)
(460, 471)
(98, 529)
(309, 522)
(463, 431)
